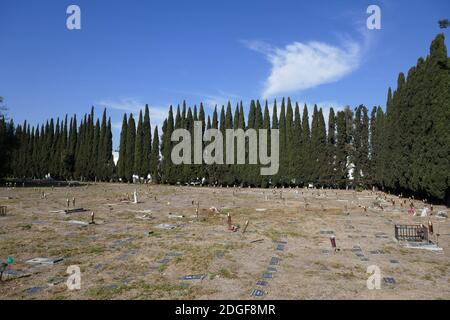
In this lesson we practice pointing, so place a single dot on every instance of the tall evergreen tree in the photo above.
(131, 147)
(331, 147)
(121, 166)
(306, 152)
(139, 148)
(154, 158)
(146, 166)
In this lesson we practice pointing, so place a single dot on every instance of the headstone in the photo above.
(34, 290)
(393, 261)
(365, 259)
(44, 261)
(261, 283)
(166, 226)
(174, 254)
(67, 211)
(164, 261)
(54, 281)
(194, 277)
(267, 275)
(257, 293)
(274, 261)
(13, 274)
(389, 280)
(78, 223)
(442, 214)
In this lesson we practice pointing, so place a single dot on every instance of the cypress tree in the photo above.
(138, 148)
(121, 165)
(228, 177)
(331, 147)
(96, 148)
(131, 147)
(167, 165)
(306, 141)
(108, 146)
(297, 146)
(341, 149)
(154, 158)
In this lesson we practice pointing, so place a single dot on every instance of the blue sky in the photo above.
(129, 53)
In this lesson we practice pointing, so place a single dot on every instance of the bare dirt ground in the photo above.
(286, 245)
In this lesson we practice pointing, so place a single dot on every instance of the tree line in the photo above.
(59, 149)
(405, 149)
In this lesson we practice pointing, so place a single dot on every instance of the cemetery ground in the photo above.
(160, 248)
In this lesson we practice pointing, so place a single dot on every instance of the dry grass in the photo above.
(120, 259)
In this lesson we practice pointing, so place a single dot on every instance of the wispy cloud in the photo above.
(300, 66)
(125, 104)
(133, 105)
(210, 100)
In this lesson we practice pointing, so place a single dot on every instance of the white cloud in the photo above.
(300, 66)
(132, 105)
(210, 100)
(126, 104)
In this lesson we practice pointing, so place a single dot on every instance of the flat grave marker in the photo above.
(274, 261)
(393, 261)
(44, 261)
(77, 223)
(34, 290)
(194, 277)
(389, 280)
(257, 293)
(166, 226)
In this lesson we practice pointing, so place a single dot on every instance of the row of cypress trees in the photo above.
(411, 140)
(309, 151)
(403, 149)
(63, 150)
(138, 154)
(7, 140)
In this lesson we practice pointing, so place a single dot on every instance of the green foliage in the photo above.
(405, 149)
